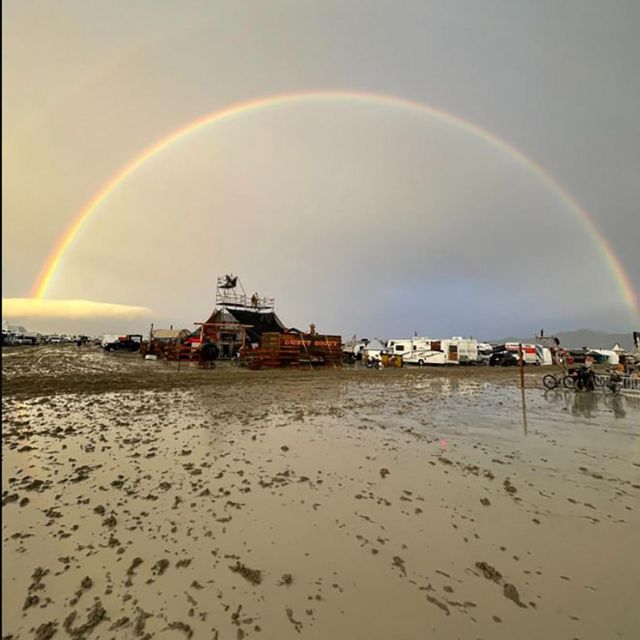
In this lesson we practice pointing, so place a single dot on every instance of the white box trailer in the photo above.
(544, 355)
(529, 353)
(457, 350)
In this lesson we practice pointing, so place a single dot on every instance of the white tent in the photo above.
(373, 349)
(611, 356)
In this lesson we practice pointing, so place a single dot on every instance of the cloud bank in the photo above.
(69, 309)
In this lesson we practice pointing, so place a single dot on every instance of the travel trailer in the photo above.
(423, 351)
(414, 351)
(457, 350)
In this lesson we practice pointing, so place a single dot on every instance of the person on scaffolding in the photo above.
(254, 300)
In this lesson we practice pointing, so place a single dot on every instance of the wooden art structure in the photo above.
(246, 328)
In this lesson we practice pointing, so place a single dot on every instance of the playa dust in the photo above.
(143, 501)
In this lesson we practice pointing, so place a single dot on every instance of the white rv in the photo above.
(415, 351)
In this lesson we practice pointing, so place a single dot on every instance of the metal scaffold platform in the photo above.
(230, 294)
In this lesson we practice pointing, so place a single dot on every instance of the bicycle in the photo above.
(552, 381)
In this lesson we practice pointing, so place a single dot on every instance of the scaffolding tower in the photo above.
(230, 294)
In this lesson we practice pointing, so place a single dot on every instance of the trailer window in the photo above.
(399, 347)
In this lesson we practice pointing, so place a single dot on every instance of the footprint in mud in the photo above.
(296, 624)
(254, 576)
(509, 590)
(399, 563)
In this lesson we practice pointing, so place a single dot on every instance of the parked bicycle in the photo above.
(578, 379)
(566, 380)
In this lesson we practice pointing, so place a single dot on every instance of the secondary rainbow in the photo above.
(54, 259)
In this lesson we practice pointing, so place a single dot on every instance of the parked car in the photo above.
(503, 359)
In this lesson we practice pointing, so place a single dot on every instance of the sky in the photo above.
(364, 215)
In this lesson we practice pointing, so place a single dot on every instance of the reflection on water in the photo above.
(589, 405)
(446, 386)
(525, 424)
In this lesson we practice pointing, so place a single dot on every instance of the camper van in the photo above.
(413, 350)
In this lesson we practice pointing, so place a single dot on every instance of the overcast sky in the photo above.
(361, 217)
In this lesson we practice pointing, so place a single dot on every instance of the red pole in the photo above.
(520, 353)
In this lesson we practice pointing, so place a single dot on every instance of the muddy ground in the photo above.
(143, 501)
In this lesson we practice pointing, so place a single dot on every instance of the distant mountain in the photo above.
(585, 338)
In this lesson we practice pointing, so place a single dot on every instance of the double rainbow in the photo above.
(54, 259)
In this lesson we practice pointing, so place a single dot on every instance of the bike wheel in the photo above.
(550, 381)
(568, 382)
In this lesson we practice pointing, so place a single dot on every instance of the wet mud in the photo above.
(143, 501)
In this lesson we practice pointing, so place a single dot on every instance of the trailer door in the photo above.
(453, 353)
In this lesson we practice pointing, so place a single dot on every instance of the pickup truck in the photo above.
(130, 342)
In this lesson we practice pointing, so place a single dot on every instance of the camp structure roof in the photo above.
(260, 322)
(169, 334)
(255, 322)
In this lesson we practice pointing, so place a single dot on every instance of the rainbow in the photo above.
(54, 259)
